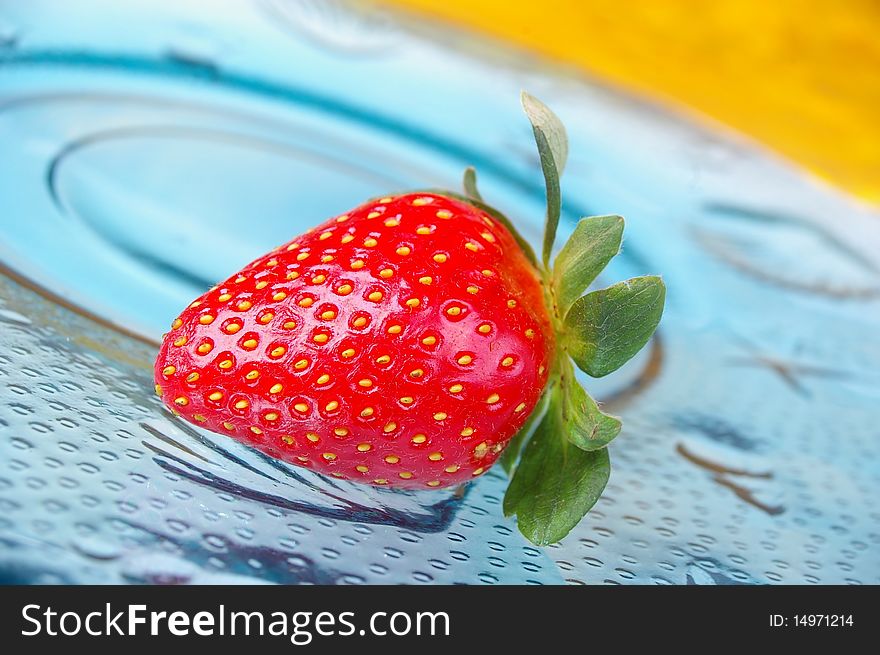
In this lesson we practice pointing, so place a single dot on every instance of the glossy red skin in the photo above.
(490, 281)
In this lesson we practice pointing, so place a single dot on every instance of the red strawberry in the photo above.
(403, 343)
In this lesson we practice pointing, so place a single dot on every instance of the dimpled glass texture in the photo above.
(150, 151)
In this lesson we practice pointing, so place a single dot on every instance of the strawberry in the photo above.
(415, 340)
(402, 343)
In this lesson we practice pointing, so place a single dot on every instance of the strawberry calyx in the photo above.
(558, 462)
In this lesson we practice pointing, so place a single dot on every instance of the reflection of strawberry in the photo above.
(408, 342)
(403, 343)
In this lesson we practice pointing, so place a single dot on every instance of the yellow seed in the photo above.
(265, 318)
(180, 341)
(434, 483)
(232, 328)
(386, 200)
(407, 400)
(168, 370)
(375, 296)
(361, 468)
(464, 360)
(456, 388)
(328, 315)
(341, 432)
(467, 432)
(242, 404)
(406, 475)
(302, 256)
(286, 438)
(348, 238)
(485, 328)
(412, 303)
(177, 323)
(435, 457)
(344, 289)
(342, 219)
(423, 230)
(320, 338)
(206, 319)
(200, 418)
(385, 273)
(293, 246)
(301, 407)
(472, 290)
(454, 311)
(256, 430)
(429, 340)
(418, 202)
(444, 213)
(487, 272)
(365, 383)
(324, 260)
(403, 251)
(384, 359)
(452, 469)
(240, 279)
(374, 214)
(530, 334)
(520, 407)
(262, 284)
(329, 456)
(276, 388)
(289, 325)
(348, 353)
(364, 447)
(302, 458)
(359, 322)
(292, 275)
(440, 258)
(244, 305)
(313, 437)
(225, 364)
(196, 303)
(488, 237)
(392, 222)
(416, 373)
(249, 344)
(181, 400)
(271, 416)
(253, 375)
(306, 302)
(271, 263)
(323, 379)
(301, 364)
(204, 349)
(318, 279)
(370, 243)
(419, 438)
(492, 399)
(511, 303)
(228, 425)
(357, 264)
(478, 471)
(277, 352)
(472, 246)
(224, 297)
(389, 427)
(541, 370)
(507, 361)
(325, 235)
(395, 329)
(427, 279)
(192, 377)
(440, 416)
(392, 459)
(367, 411)
(380, 481)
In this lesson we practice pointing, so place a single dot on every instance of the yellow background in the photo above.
(800, 76)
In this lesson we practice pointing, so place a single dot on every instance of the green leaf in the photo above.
(510, 455)
(552, 144)
(556, 483)
(585, 425)
(494, 213)
(605, 328)
(592, 245)
(470, 184)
